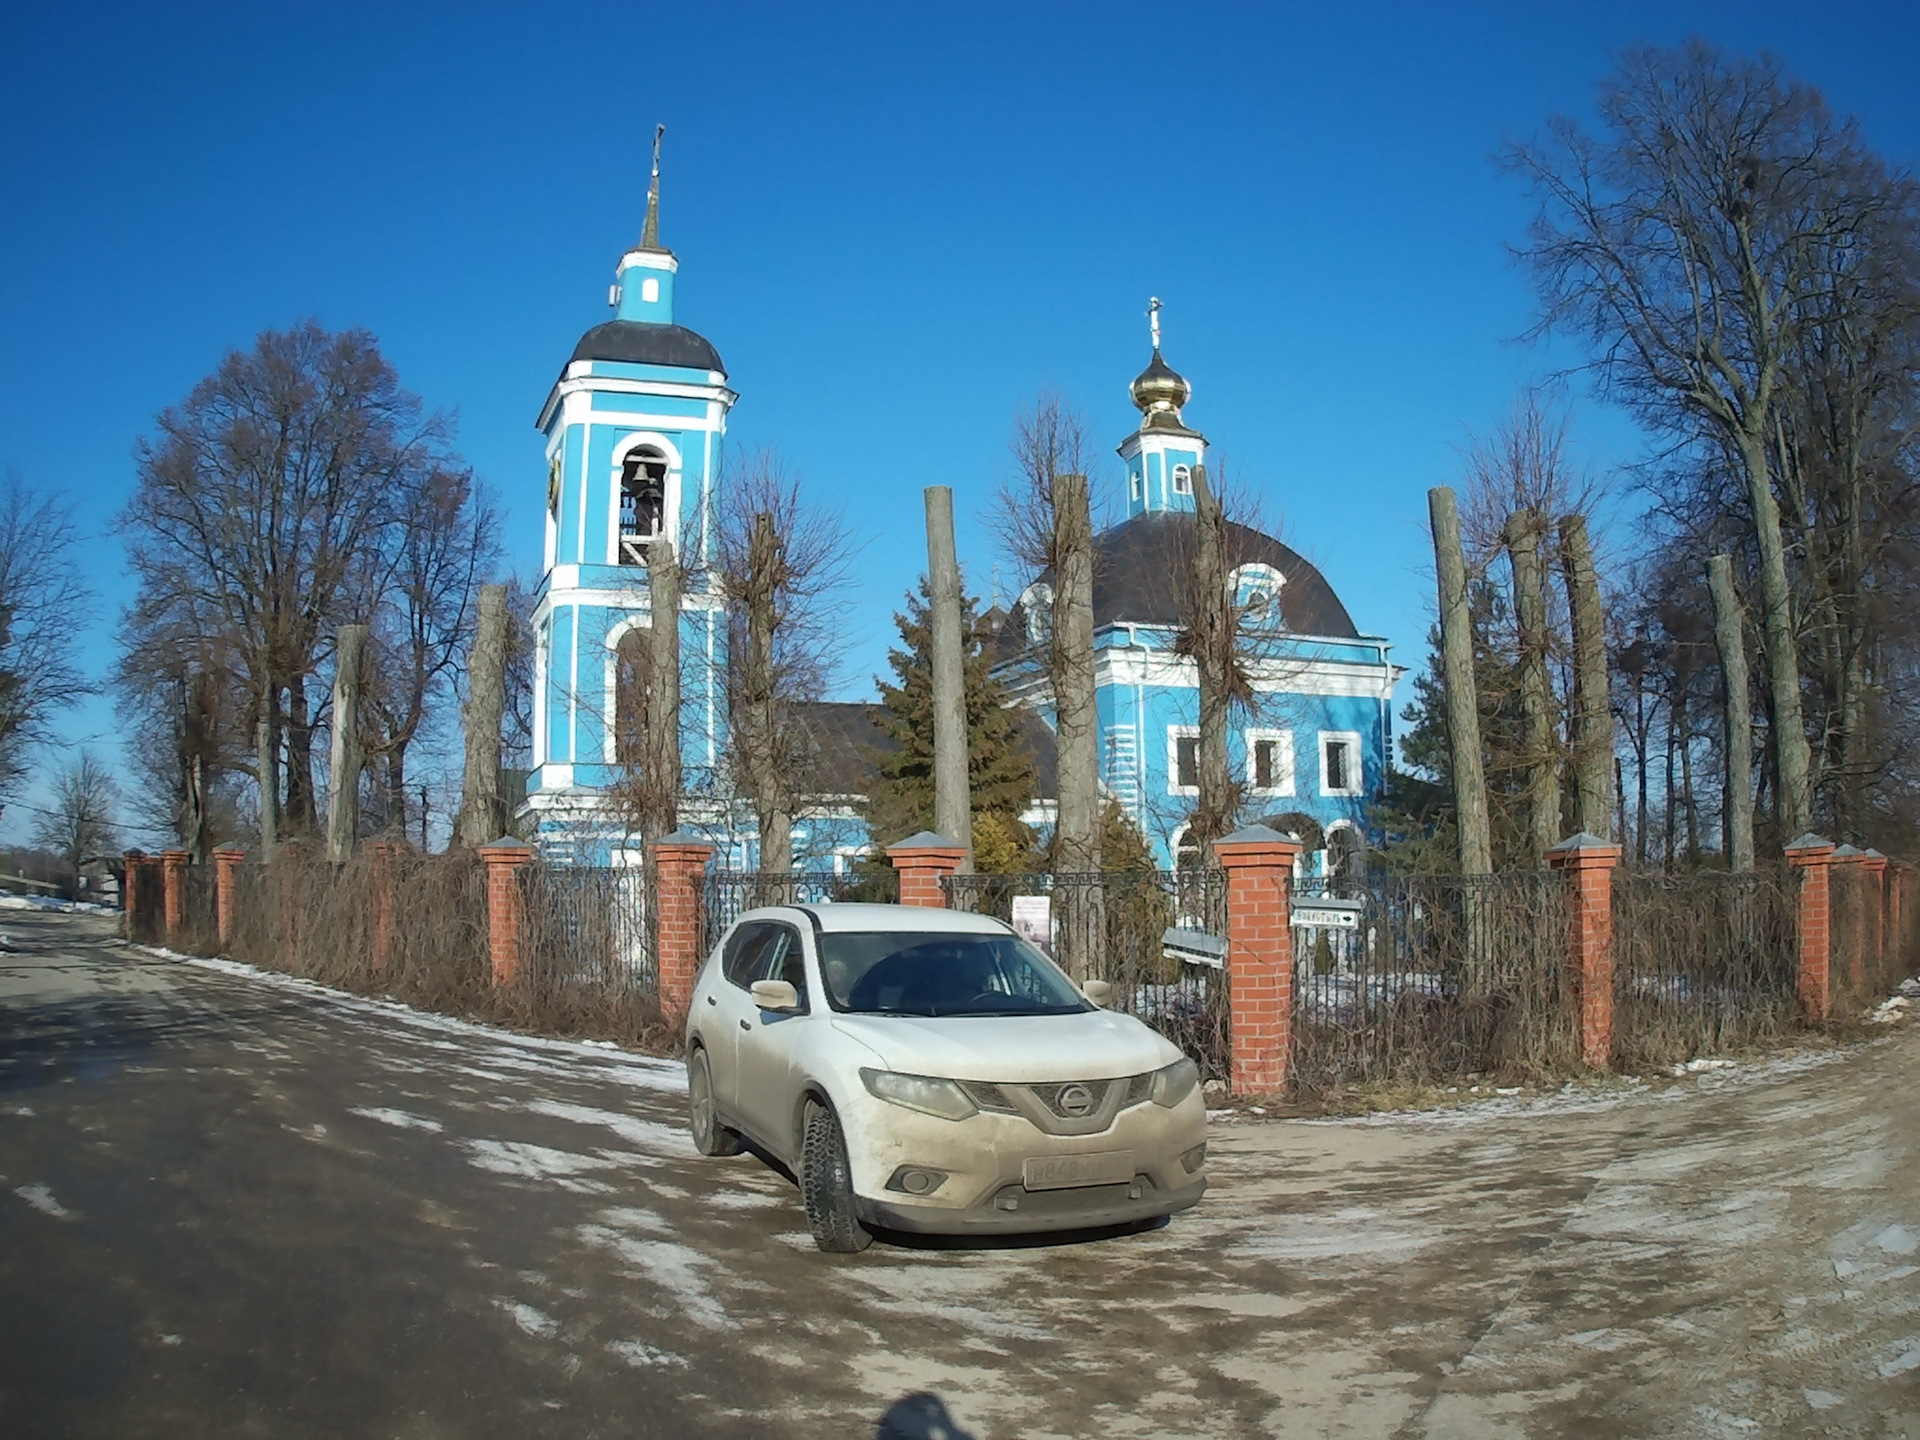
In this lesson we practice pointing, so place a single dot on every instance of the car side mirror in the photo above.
(776, 995)
(1098, 991)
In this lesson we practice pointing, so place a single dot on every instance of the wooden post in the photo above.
(952, 802)
(482, 813)
(1259, 866)
(1729, 637)
(680, 865)
(1588, 862)
(505, 858)
(1812, 856)
(922, 861)
(1463, 705)
(343, 793)
(227, 861)
(173, 883)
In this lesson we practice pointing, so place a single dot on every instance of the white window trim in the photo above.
(1177, 839)
(1284, 738)
(610, 720)
(670, 500)
(1182, 472)
(1356, 758)
(1175, 734)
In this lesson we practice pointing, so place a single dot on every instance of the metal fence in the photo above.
(1158, 937)
(1702, 961)
(1423, 978)
(728, 894)
(586, 925)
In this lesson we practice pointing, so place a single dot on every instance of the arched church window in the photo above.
(643, 502)
(1182, 480)
(650, 290)
(632, 660)
(553, 486)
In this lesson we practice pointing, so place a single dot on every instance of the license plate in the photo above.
(1058, 1172)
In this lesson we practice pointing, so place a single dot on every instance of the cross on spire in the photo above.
(1153, 321)
(650, 231)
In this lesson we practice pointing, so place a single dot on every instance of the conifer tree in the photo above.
(999, 767)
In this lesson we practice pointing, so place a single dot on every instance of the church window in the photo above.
(650, 290)
(553, 486)
(630, 671)
(1136, 484)
(1270, 762)
(1186, 761)
(1186, 852)
(643, 502)
(1340, 763)
(1182, 480)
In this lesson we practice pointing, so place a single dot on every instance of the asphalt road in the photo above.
(231, 1205)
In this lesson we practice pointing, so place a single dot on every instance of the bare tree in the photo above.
(1685, 243)
(483, 815)
(79, 827)
(1737, 797)
(343, 770)
(952, 802)
(783, 563)
(1210, 638)
(1461, 693)
(1524, 532)
(44, 605)
(1592, 737)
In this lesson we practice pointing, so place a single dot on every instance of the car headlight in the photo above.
(1174, 1083)
(917, 1092)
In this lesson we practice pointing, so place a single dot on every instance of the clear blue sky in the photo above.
(896, 222)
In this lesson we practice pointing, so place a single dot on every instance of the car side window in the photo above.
(745, 955)
(784, 959)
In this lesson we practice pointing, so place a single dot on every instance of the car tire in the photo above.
(826, 1186)
(710, 1137)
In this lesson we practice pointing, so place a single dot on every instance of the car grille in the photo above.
(1062, 1107)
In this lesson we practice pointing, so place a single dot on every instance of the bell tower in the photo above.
(633, 428)
(1161, 455)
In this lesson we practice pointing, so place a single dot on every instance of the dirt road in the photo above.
(235, 1206)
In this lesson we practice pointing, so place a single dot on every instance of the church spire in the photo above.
(650, 231)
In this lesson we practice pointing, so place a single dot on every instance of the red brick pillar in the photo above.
(1812, 856)
(505, 858)
(226, 890)
(680, 868)
(1588, 861)
(1259, 866)
(923, 861)
(382, 854)
(134, 862)
(173, 883)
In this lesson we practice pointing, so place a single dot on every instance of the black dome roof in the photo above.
(1138, 567)
(641, 344)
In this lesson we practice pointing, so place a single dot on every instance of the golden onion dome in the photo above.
(1159, 391)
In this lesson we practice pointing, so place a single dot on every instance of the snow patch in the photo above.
(536, 1323)
(638, 1353)
(399, 1119)
(536, 1162)
(1897, 1240)
(1907, 1359)
(649, 1136)
(1822, 1399)
(674, 1268)
(42, 1200)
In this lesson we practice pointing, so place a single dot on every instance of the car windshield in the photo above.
(900, 972)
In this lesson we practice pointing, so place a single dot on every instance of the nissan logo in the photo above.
(1075, 1100)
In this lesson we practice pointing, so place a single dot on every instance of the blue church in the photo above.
(634, 428)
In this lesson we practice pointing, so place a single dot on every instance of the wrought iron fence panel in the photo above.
(729, 894)
(1421, 978)
(587, 925)
(1158, 937)
(1702, 961)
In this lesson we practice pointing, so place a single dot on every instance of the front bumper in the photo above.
(1014, 1209)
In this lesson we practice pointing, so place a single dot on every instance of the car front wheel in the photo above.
(710, 1137)
(826, 1186)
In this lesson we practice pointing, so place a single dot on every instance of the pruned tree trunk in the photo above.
(483, 813)
(1737, 800)
(952, 804)
(343, 799)
(758, 725)
(1523, 534)
(1214, 636)
(1077, 739)
(660, 815)
(1463, 706)
(1791, 753)
(299, 812)
(1076, 724)
(1593, 768)
(265, 757)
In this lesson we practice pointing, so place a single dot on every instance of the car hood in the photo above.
(1097, 1045)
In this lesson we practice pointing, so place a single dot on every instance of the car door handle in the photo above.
(712, 1000)
(746, 1025)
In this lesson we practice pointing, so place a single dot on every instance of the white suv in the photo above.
(927, 1070)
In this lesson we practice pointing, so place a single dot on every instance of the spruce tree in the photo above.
(1000, 771)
